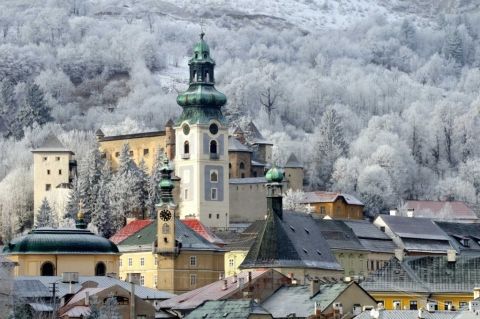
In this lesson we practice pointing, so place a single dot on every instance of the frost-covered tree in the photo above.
(88, 180)
(153, 181)
(45, 216)
(73, 202)
(408, 34)
(102, 216)
(292, 200)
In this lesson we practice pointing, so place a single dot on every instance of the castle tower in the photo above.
(294, 173)
(53, 170)
(201, 159)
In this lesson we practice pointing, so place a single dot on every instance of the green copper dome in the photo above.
(201, 102)
(274, 175)
(60, 241)
(166, 184)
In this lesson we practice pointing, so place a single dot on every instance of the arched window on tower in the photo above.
(186, 148)
(213, 147)
(207, 76)
(194, 76)
(100, 269)
(242, 166)
(47, 269)
(213, 177)
(165, 229)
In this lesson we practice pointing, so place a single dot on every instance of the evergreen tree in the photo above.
(102, 216)
(142, 187)
(88, 181)
(110, 309)
(408, 34)
(73, 200)
(45, 216)
(154, 180)
(453, 47)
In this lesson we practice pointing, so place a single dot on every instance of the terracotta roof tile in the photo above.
(439, 209)
(130, 229)
(203, 231)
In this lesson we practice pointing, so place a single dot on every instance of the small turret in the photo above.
(166, 184)
(99, 135)
(274, 178)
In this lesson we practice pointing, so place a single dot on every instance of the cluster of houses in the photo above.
(223, 246)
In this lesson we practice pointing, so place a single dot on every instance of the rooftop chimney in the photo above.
(235, 278)
(393, 212)
(314, 287)
(225, 284)
(410, 212)
(87, 298)
(451, 255)
(132, 301)
(240, 282)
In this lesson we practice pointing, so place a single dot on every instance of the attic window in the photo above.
(225, 315)
(305, 251)
(307, 231)
(318, 252)
(291, 227)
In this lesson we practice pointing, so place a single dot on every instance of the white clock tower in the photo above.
(201, 132)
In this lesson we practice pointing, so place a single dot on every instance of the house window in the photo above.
(381, 302)
(218, 216)
(142, 280)
(229, 165)
(322, 210)
(44, 158)
(130, 262)
(185, 194)
(382, 228)
(242, 166)
(213, 177)
(117, 154)
(242, 175)
(231, 263)
(57, 158)
(214, 194)
(193, 260)
(255, 174)
(100, 269)
(413, 305)
(462, 305)
(448, 304)
(47, 269)
(210, 216)
(186, 148)
(48, 172)
(146, 151)
(142, 261)
(131, 153)
(213, 147)
(48, 187)
(59, 172)
(193, 280)
(397, 305)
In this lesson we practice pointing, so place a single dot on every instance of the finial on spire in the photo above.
(202, 35)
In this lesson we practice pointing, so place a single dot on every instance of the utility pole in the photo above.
(53, 290)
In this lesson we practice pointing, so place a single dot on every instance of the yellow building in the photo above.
(335, 205)
(411, 283)
(165, 253)
(51, 252)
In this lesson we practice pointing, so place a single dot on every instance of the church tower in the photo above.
(201, 159)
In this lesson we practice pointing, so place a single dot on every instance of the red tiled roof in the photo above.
(440, 209)
(203, 231)
(130, 229)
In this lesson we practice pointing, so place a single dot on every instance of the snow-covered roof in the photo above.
(293, 162)
(329, 197)
(234, 145)
(52, 144)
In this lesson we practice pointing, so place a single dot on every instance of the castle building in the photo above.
(165, 253)
(53, 170)
(51, 252)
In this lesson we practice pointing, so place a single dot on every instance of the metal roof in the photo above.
(248, 180)
(339, 235)
(293, 241)
(234, 145)
(145, 237)
(300, 300)
(365, 229)
(464, 237)
(329, 197)
(214, 291)
(235, 309)
(378, 245)
(60, 241)
(418, 228)
(441, 209)
(52, 144)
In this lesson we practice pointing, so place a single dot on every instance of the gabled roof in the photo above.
(52, 144)
(415, 228)
(203, 231)
(293, 162)
(145, 237)
(254, 134)
(293, 241)
(426, 274)
(238, 309)
(339, 235)
(301, 302)
(214, 291)
(329, 197)
(234, 145)
(130, 229)
(441, 209)
(468, 233)
(370, 236)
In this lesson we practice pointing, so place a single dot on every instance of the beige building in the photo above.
(53, 170)
(334, 205)
(51, 252)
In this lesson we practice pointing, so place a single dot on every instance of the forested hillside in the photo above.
(378, 100)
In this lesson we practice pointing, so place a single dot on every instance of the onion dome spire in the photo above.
(274, 178)
(166, 184)
(201, 102)
(80, 221)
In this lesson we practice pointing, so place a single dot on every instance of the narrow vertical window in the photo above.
(213, 147)
(186, 148)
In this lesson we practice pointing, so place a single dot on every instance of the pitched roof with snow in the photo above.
(221, 309)
(441, 210)
(52, 144)
(234, 145)
(203, 231)
(293, 162)
(329, 197)
(255, 135)
(294, 240)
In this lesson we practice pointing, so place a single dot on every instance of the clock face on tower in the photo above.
(165, 215)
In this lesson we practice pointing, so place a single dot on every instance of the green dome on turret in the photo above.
(166, 185)
(274, 175)
(201, 102)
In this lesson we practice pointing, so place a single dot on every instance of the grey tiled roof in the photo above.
(293, 162)
(408, 227)
(293, 241)
(365, 229)
(38, 286)
(429, 274)
(255, 135)
(339, 235)
(462, 231)
(52, 144)
(378, 245)
(248, 180)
